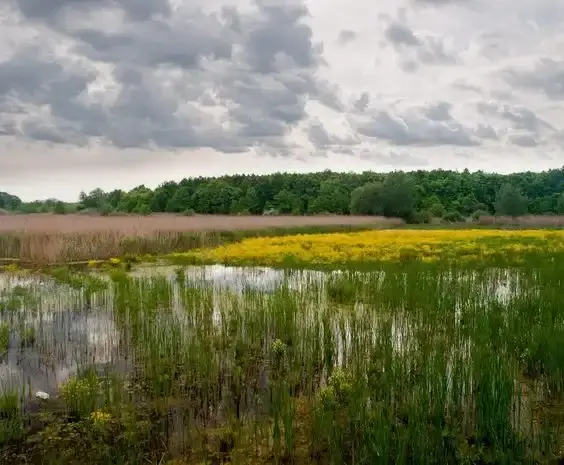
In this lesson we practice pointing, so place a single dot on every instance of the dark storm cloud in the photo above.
(159, 42)
(413, 129)
(484, 131)
(41, 130)
(259, 67)
(322, 139)
(279, 30)
(546, 76)
(520, 117)
(31, 79)
(51, 10)
(32, 75)
(400, 34)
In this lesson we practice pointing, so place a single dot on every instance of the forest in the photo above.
(414, 196)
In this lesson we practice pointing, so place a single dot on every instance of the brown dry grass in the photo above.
(47, 238)
(531, 221)
(47, 223)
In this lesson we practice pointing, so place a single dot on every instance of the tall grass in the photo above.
(408, 364)
(60, 247)
(529, 221)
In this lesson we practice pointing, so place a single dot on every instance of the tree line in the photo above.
(415, 196)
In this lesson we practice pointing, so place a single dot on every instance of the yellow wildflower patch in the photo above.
(381, 246)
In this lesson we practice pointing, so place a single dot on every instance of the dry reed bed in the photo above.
(523, 221)
(48, 239)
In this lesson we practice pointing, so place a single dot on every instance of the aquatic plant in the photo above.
(438, 362)
(4, 338)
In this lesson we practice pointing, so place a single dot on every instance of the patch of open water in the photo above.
(66, 331)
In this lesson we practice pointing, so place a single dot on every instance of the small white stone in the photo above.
(42, 395)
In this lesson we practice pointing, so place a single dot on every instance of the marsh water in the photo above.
(417, 352)
(55, 330)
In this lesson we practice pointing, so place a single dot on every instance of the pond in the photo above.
(402, 351)
(55, 331)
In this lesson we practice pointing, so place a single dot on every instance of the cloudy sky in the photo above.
(115, 93)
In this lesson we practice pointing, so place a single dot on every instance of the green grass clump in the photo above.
(4, 337)
(11, 421)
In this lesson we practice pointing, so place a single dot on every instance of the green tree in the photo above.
(399, 196)
(367, 200)
(478, 214)
(332, 198)
(464, 192)
(9, 202)
(142, 208)
(215, 198)
(510, 201)
(113, 199)
(249, 203)
(437, 210)
(162, 196)
(60, 208)
(469, 204)
(453, 217)
(181, 200)
(93, 200)
(286, 202)
(560, 204)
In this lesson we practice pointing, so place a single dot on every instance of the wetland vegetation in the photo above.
(411, 361)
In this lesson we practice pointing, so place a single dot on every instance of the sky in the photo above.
(117, 93)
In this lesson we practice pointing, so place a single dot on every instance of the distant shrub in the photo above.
(478, 214)
(105, 209)
(422, 217)
(189, 212)
(143, 209)
(60, 208)
(438, 210)
(453, 217)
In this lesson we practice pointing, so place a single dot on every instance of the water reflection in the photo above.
(55, 330)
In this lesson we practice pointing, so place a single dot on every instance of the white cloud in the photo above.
(114, 94)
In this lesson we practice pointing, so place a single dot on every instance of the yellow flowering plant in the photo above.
(386, 246)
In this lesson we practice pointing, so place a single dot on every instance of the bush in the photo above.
(60, 208)
(143, 209)
(453, 217)
(422, 217)
(479, 213)
(510, 201)
(438, 210)
(105, 209)
(189, 212)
